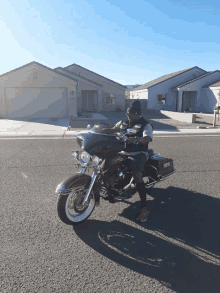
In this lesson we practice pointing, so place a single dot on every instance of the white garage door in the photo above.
(36, 102)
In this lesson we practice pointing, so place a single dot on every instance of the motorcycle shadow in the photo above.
(178, 245)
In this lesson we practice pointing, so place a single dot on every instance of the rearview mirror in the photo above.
(89, 126)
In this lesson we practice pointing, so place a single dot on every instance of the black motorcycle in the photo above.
(80, 193)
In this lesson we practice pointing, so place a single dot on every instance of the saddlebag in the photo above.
(160, 167)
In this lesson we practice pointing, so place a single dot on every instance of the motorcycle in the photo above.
(80, 193)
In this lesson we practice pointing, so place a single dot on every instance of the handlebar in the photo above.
(123, 138)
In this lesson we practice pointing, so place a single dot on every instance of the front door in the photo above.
(91, 101)
(84, 101)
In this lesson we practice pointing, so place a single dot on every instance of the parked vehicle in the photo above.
(80, 193)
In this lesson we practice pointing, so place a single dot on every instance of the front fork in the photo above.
(94, 175)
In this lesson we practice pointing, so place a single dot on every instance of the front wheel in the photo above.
(70, 208)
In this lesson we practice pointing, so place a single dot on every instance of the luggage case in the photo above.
(164, 166)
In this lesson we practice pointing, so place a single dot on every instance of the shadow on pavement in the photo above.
(115, 117)
(207, 119)
(179, 245)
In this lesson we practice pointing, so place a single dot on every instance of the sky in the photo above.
(130, 42)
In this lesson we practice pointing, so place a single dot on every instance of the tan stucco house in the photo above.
(37, 91)
(192, 89)
(107, 95)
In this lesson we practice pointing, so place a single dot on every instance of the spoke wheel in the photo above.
(70, 208)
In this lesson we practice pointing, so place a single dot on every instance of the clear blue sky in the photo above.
(130, 42)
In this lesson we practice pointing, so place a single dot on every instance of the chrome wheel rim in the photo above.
(75, 212)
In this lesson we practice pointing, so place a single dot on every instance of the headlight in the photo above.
(95, 160)
(75, 155)
(84, 157)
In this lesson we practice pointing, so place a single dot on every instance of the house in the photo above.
(37, 91)
(189, 89)
(109, 96)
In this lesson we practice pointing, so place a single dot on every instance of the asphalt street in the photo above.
(176, 250)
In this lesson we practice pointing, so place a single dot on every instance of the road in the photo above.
(176, 250)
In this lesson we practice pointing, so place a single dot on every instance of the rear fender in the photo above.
(75, 180)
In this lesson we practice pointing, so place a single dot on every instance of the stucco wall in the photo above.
(109, 87)
(205, 99)
(208, 99)
(215, 92)
(83, 85)
(141, 94)
(38, 80)
(166, 88)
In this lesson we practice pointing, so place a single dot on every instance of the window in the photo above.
(107, 99)
(161, 99)
(110, 99)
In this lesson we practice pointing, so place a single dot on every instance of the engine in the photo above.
(115, 171)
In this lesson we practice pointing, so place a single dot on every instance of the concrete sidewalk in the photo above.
(12, 129)
(40, 128)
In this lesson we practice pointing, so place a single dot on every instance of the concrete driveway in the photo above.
(64, 122)
(33, 127)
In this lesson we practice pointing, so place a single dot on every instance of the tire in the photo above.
(74, 197)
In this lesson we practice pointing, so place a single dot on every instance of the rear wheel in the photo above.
(70, 209)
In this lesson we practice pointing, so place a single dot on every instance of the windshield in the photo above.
(102, 129)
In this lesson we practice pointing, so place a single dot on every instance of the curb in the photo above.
(73, 133)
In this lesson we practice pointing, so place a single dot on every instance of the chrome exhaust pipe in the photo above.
(165, 177)
(161, 178)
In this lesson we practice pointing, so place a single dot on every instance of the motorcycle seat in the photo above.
(150, 152)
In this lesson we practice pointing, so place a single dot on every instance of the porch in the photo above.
(186, 101)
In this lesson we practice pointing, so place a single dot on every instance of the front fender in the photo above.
(74, 180)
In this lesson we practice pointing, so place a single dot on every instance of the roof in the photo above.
(94, 73)
(32, 63)
(215, 84)
(69, 72)
(193, 80)
(164, 78)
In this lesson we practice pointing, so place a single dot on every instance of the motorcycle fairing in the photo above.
(99, 144)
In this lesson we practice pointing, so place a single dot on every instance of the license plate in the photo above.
(166, 164)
